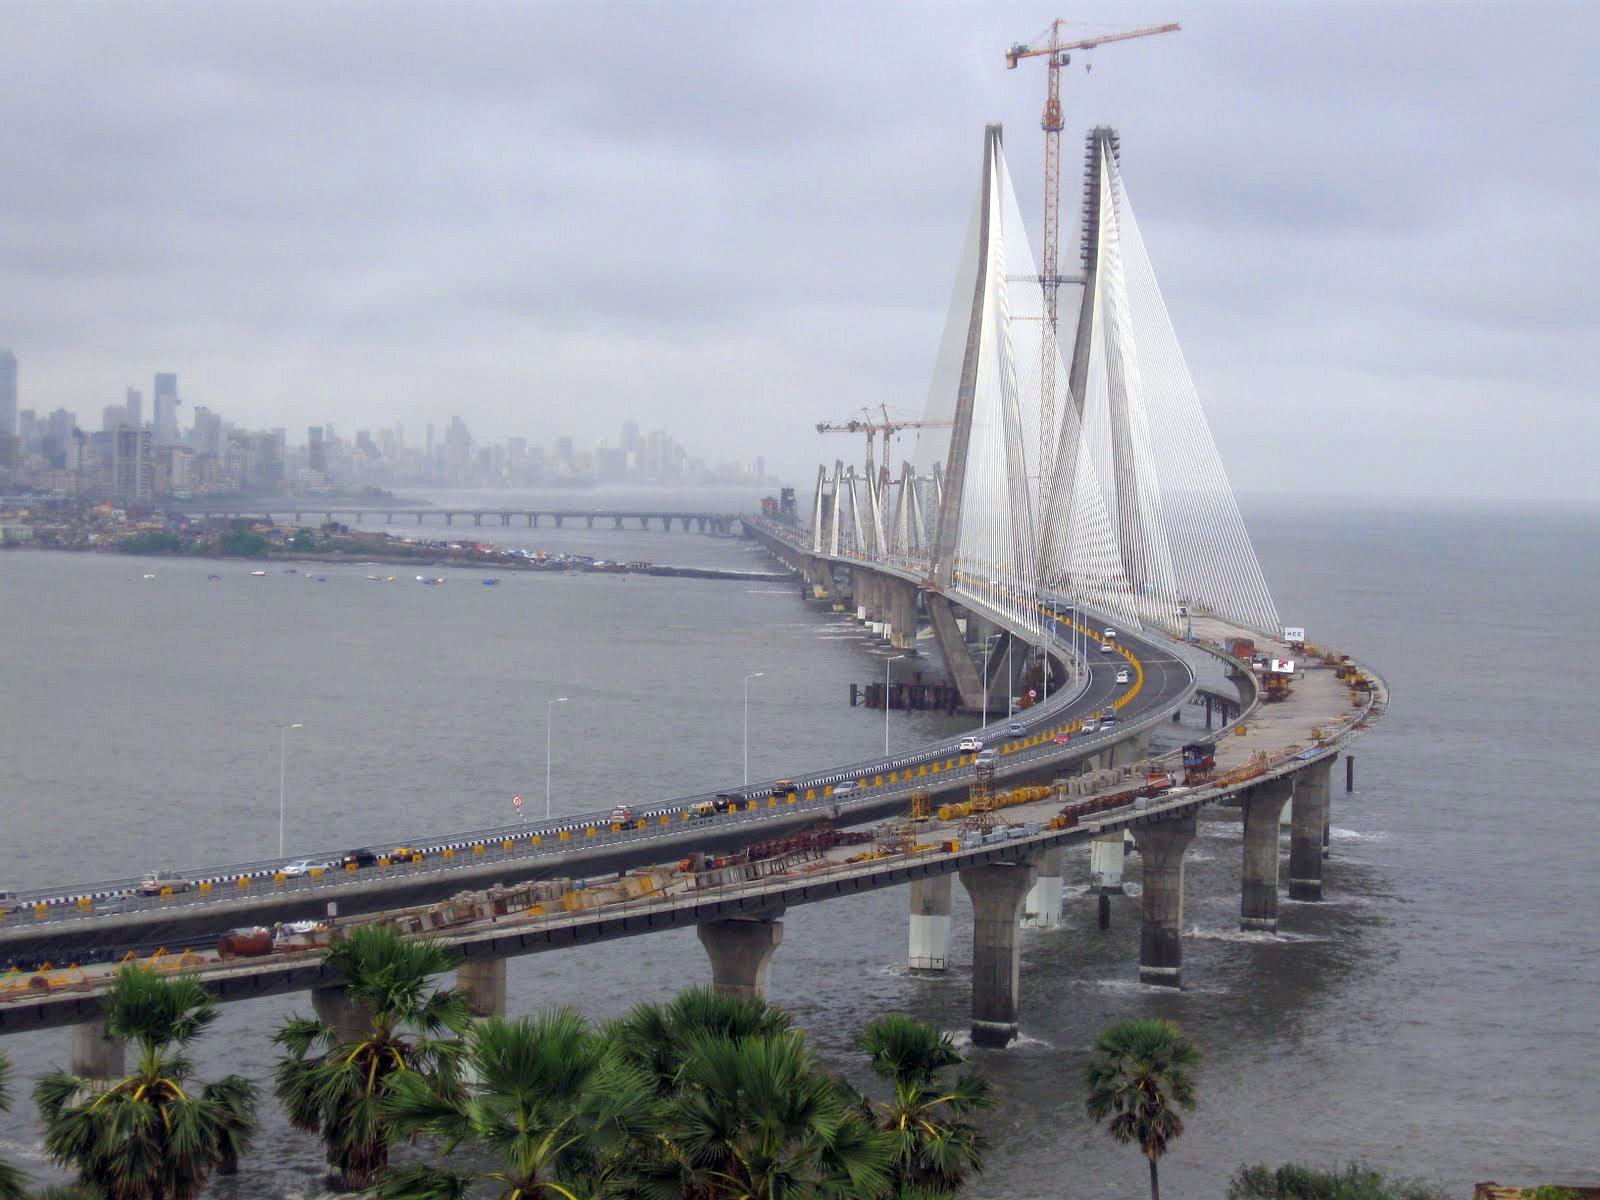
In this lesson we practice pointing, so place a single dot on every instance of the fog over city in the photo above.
(1374, 226)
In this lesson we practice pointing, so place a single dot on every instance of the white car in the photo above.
(1089, 727)
(1122, 675)
(1106, 647)
(301, 866)
(1111, 635)
(970, 745)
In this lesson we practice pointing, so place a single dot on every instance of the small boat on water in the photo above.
(214, 578)
(289, 571)
(490, 582)
(391, 579)
(149, 576)
(258, 572)
(322, 579)
(375, 578)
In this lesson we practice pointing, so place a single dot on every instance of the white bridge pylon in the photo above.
(1141, 521)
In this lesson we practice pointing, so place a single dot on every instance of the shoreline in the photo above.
(453, 561)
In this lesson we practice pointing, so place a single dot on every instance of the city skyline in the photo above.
(128, 459)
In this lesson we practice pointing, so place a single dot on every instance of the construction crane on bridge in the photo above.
(1057, 54)
(889, 426)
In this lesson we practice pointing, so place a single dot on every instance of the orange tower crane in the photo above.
(1056, 53)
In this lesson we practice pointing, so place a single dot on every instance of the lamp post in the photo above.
(1010, 678)
(886, 664)
(549, 716)
(747, 679)
(986, 644)
(283, 768)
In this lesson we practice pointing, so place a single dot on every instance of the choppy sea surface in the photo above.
(1437, 1015)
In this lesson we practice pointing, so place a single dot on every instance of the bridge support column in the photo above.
(1161, 850)
(1258, 894)
(820, 577)
(953, 649)
(997, 891)
(96, 1055)
(1131, 750)
(740, 951)
(903, 615)
(1307, 820)
(484, 982)
(419, 518)
(1042, 908)
(333, 1006)
(1107, 853)
(930, 924)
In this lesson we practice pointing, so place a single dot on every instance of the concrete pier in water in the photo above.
(1308, 824)
(740, 951)
(1262, 807)
(96, 1055)
(1107, 852)
(1161, 850)
(997, 891)
(484, 982)
(1042, 908)
(930, 924)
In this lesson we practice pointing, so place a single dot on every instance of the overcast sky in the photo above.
(1375, 225)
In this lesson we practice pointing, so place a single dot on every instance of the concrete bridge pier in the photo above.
(740, 950)
(820, 578)
(1042, 908)
(1161, 850)
(419, 518)
(997, 891)
(902, 615)
(1258, 893)
(930, 924)
(484, 983)
(1308, 819)
(589, 520)
(1107, 854)
(96, 1055)
(333, 1006)
(388, 518)
(952, 645)
(1131, 750)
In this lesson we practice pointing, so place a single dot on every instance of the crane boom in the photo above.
(1050, 265)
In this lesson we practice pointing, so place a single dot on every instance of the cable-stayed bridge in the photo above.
(1137, 520)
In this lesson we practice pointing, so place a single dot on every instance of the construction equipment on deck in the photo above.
(879, 477)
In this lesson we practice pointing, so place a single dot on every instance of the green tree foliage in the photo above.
(552, 1110)
(303, 539)
(152, 542)
(1354, 1181)
(13, 1183)
(1140, 1073)
(338, 1088)
(150, 1136)
(744, 1107)
(242, 543)
(937, 1145)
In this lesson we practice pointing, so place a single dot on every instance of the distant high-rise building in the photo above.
(131, 464)
(630, 436)
(8, 392)
(113, 415)
(135, 406)
(564, 451)
(316, 450)
(207, 435)
(165, 402)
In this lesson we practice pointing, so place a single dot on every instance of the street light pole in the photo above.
(747, 679)
(549, 716)
(987, 642)
(283, 767)
(1010, 678)
(895, 659)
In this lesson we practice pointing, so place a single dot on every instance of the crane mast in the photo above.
(1057, 55)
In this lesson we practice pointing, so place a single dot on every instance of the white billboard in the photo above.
(1282, 666)
(1294, 633)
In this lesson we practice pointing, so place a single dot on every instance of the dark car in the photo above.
(359, 858)
(723, 799)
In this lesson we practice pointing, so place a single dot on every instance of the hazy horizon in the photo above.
(1375, 239)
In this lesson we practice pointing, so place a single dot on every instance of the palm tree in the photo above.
(1139, 1075)
(656, 1038)
(13, 1183)
(148, 1136)
(756, 1116)
(336, 1087)
(551, 1106)
(937, 1146)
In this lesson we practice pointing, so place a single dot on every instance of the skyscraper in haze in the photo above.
(8, 392)
(135, 406)
(165, 403)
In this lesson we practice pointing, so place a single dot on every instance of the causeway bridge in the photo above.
(1079, 554)
(723, 524)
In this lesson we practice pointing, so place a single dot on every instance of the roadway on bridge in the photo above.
(92, 921)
